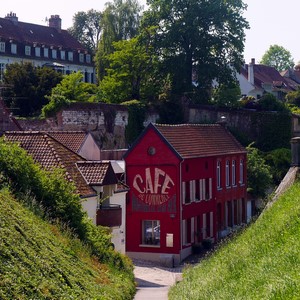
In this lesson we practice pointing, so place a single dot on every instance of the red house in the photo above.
(187, 184)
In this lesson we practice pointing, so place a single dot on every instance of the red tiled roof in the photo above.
(33, 33)
(49, 153)
(97, 173)
(71, 139)
(200, 140)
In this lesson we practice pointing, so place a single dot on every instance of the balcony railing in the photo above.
(109, 215)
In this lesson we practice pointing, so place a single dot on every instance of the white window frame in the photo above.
(37, 51)
(54, 53)
(27, 50)
(63, 54)
(70, 56)
(88, 58)
(219, 184)
(13, 48)
(46, 52)
(227, 174)
(2, 46)
(233, 173)
(81, 57)
(241, 171)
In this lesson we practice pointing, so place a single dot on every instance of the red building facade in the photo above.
(187, 184)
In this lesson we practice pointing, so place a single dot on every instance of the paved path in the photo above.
(153, 280)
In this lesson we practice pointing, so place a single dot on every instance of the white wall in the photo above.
(90, 150)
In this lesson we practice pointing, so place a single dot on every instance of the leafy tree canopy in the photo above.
(71, 89)
(87, 28)
(278, 57)
(29, 87)
(195, 39)
(258, 172)
(227, 96)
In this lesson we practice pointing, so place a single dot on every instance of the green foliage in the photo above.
(87, 28)
(279, 161)
(30, 87)
(260, 263)
(293, 97)
(40, 261)
(128, 72)
(120, 21)
(259, 176)
(227, 95)
(135, 126)
(70, 89)
(189, 46)
(268, 102)
(278, 57)
(57, 197)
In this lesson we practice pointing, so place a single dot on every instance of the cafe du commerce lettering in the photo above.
(154, 186)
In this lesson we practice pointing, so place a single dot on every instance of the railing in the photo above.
(109, 215)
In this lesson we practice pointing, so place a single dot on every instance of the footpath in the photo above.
(153, 280)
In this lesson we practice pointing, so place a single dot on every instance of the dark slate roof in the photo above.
(49, 153)
(97, 172)
(199, 140)
(268, 75)
(33, 33)
(71, 139)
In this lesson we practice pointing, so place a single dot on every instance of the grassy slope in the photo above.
(38, 262)
(263, 262)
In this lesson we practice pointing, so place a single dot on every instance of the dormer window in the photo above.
(70, 56)
(13, 48)
(81, 57)
(2, 46)
(37, 51)
(88, 58)
(27, 50)
(46, 52)
(54, 53)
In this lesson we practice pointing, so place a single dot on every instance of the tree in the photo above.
(129, 72)
(227, 96)
(278, 57)
(120, 21)
(30, 86)
(259, 177)
(196, 39)
(87, 28)
(70, 89)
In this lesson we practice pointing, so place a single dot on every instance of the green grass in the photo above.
(38, 261)
(262, 262)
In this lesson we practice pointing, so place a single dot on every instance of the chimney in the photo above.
(55, 22)
(12, 17)
(251, 71)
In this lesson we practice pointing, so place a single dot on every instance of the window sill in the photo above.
(149, 246)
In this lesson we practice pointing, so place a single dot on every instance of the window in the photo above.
(81, 57)
(37, 51)
(187, 192)
(88, 58)
(46, 52)
(63, 55)
(218, 174)
(227, 173)
(54, 53)
(70, 56)
(2, 69)
(2, 46)
(233, 178)
(151, 232)
(27, 50)
(241, 171)
(13, 48)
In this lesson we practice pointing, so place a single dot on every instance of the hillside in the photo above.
(37, 261)
(263, 262)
